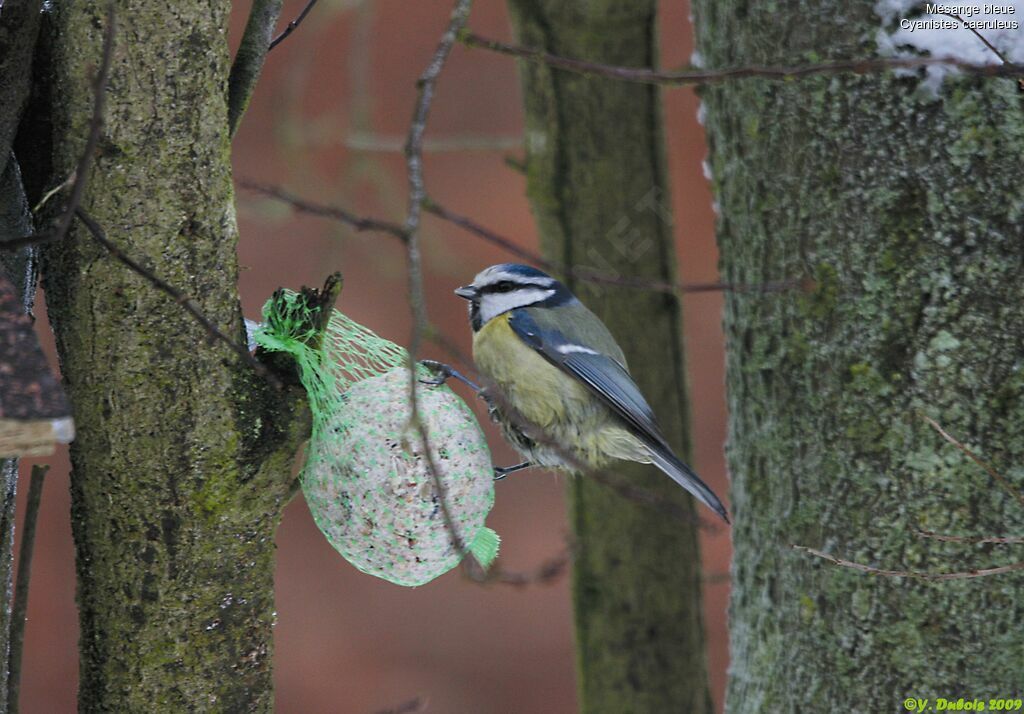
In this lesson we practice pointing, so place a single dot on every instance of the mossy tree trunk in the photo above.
(181, 463)
(908, 213)
(598, 186)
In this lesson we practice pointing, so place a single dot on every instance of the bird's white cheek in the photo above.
(496, 304)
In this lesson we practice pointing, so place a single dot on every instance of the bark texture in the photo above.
(245, 72)
(181, 463)
(598, 187)
(906, 209)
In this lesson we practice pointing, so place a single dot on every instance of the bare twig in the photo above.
(997, 540)
(416, 704)
(359, 223)
(962, 575)
(292, 26)
(363, 223)
(998, 477)
(19, 609)
(364, 141)
(977, 34)
(716, 578)
(25, 241)
(69, 181)
(471, 226)
(683, 78)
(181, 298)
(516, 163)
(417, 193)
(252, 52)
(548, 572)
(594, 276)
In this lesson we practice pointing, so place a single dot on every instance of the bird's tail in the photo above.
(685, 477)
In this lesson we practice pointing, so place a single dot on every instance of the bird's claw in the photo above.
(501, 472)
(440, 369)
(445, 372)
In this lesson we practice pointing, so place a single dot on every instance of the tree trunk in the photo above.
(180, 467)
(906, 211)
(598, 186)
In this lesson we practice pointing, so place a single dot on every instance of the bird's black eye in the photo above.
(504, 286)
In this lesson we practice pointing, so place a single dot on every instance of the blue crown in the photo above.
(525, 271)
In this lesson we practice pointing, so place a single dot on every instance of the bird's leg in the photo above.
(501, 472)
(445, 372)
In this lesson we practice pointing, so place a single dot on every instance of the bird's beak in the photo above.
(467, 292)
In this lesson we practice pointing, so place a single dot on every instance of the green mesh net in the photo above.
(366, 480)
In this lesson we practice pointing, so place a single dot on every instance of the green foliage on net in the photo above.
(366, 479)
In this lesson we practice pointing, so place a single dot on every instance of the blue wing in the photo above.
(608, 379)
(605, 377)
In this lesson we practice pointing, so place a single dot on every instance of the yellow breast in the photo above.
(564, 408)
(540, 391)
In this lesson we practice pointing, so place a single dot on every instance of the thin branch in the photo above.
(650, 76)
(716, 578)
(19, 611)
(516, 163)
(997, 540)
(362, 223)
(364, 141)
(962, 575)
(95, 125)
(594, 276)
(417, 193)
(70, 180)
(999, 478)
(416, 704)
(252, 53)
(977, 34)
(25, 241)
(179, 297)
(547, 573)
(292, 26)
(317, 209)
(471, 226)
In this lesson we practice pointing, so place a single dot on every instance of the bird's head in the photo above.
(509, 286)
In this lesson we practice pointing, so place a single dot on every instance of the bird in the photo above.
(558, 368)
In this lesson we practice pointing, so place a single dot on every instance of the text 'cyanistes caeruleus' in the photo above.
(558, 365)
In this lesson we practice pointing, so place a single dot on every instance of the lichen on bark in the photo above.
(906, 211)
(180, 467)
(598, 187)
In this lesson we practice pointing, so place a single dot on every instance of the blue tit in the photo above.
(557, 364)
